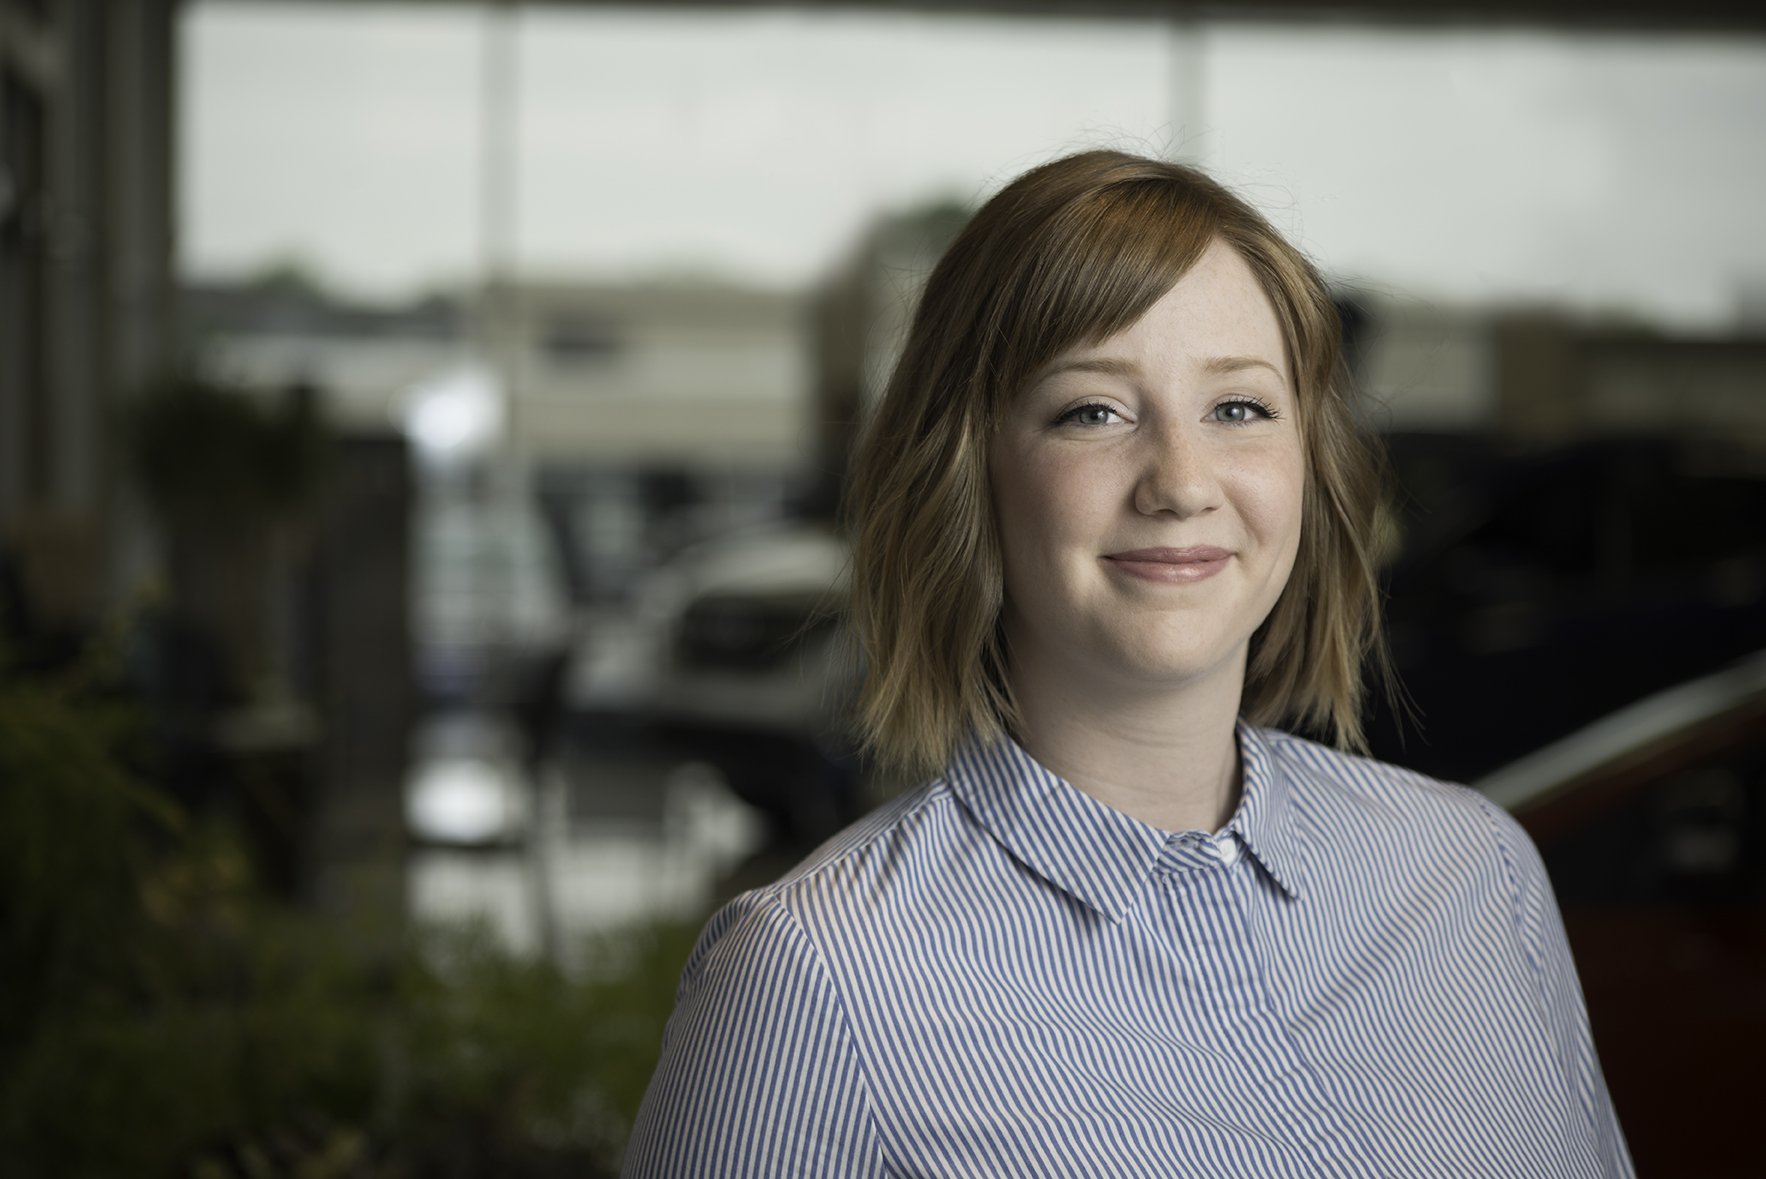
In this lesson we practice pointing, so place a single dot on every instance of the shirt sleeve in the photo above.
(1541, 927)
(759, 1075)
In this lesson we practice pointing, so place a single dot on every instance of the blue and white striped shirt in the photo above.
(1364, 973)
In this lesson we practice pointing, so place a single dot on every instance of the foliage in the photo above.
(159, 1015)
(207, 454)
(513, 1054)
(71, 847)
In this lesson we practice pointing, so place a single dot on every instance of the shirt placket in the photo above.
(1204, 887)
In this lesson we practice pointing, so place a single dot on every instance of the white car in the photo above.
(734, 657)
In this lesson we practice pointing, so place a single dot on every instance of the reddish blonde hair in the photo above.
(1069, 254)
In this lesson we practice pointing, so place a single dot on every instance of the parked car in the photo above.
(1532, 594)
(732, 655)
(1652, 824)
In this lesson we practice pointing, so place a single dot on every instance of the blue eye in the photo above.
(1091, 414)
(1241, 411)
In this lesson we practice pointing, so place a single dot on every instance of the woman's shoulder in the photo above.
(876, 863)
(1341, 788)
(912, 822)
(1374, 820)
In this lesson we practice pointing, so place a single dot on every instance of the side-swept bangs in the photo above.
(1067, 255)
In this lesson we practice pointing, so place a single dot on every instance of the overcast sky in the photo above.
(1620, 173)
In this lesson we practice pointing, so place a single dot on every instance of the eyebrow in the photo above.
(1107, 365)
(1222, 365)
(1111, 366)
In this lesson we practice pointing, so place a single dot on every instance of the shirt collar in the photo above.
(1265, 821)
(1098, 854)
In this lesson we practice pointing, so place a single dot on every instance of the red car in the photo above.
(1652, 823)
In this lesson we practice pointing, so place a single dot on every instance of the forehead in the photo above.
(1216, 310)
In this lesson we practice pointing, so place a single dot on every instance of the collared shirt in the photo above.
(1364, 973)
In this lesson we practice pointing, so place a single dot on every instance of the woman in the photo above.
(1112, 516)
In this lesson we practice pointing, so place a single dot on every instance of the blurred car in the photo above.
(733, 656)
(1652, 824)
(1532, 594)
(754, 642)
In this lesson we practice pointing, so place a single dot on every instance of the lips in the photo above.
(1169, 565)
(1186, 556)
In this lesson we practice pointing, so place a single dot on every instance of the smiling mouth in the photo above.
(1171, 566)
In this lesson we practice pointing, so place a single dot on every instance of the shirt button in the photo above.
(1228, 848)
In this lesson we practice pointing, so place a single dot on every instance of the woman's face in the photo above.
(1148, 493)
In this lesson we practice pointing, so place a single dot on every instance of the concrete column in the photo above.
(75, 241)
(138, 296)
(1189, 89)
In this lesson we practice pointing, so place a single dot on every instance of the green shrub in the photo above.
(161, 1016)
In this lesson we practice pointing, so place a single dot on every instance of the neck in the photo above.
(1168, 758)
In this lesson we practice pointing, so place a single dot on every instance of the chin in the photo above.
(1153, 663)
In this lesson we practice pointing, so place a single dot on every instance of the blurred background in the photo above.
(421, 429)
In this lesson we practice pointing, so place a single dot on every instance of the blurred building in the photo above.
(1557, 379)
(646, 373)
(863, 310)
(641, 416)
(661, 372)
(1541, 376)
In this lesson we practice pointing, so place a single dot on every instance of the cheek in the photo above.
(1007, 489)
(1020, 499)
(1271, 491)
(1290, 502)
(1044, 507)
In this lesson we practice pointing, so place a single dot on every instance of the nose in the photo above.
(1177, 475)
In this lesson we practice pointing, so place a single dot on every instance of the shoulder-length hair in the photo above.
(1066, 255)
